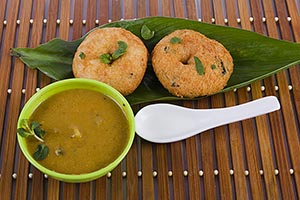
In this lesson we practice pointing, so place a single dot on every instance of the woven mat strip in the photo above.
(201, 166)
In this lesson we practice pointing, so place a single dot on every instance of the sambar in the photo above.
(85, 131)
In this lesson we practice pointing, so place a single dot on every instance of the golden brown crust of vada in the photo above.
(174, 64)
(125, 73)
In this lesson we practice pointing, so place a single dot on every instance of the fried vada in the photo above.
(188, 64)
(114, 56)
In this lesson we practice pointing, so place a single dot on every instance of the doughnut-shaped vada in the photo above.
(114, 56)
(188, 64)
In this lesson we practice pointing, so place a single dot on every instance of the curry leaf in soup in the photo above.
(25, 124)
(41, 152)
(25, 129)
(146, 33)
(122, 46)
(22, 132)
(39, 132)
(31, 129)
(34, 125)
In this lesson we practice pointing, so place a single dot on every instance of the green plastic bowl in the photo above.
(76, 83)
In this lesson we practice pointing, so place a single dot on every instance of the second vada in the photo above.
(188, 64)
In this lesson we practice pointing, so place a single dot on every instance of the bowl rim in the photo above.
(37, 99)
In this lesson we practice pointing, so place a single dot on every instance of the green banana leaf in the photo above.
(255, 56)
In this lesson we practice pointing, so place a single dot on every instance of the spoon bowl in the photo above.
(163, 123)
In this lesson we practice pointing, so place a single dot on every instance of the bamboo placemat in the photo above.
(257, 158)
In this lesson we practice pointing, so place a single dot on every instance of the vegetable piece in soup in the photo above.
(85, 131)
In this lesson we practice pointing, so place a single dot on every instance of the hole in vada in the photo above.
(185, 60)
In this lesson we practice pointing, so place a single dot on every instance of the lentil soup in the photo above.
(85, 131)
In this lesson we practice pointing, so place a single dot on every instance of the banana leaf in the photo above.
(255, 56)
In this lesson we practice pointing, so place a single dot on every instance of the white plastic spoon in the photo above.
(163, 123)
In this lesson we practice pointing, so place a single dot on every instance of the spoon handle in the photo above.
(245, 111)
